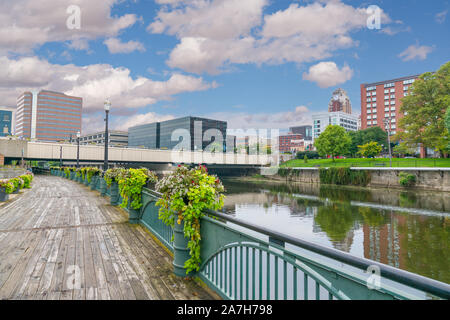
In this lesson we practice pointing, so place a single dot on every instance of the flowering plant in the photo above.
(9, 186)
(112, 175)
(186, 194)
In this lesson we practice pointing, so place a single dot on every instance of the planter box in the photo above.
(3, 195)
(114, 192)
(134, 215)
(180, 250)
(93, 183)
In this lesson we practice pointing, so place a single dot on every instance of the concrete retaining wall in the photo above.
(426, 178)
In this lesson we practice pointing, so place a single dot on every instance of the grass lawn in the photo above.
(396, 162)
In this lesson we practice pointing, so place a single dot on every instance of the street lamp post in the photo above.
(107, 106)
(387, 125)
(78, 149)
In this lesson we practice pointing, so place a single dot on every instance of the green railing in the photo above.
(243, 261)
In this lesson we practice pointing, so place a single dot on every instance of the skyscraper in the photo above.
(340, 102)
(48, 115)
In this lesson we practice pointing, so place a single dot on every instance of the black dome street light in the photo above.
(107, 106)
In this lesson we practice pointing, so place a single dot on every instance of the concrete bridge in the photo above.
(160, 160)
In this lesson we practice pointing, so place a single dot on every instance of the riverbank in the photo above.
(433, 179)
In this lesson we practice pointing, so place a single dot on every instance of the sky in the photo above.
(265, 64)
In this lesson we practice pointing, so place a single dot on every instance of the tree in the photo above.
(447, 124)
(424, 111)
(334, 141)
(361, 137)
(370, 150)
(402, 150)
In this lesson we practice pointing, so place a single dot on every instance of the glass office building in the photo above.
(188, 133)
(6, 120)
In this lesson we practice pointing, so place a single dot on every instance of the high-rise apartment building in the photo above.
(48, 115)
(6, 121)
(340, 102)
(382, 100)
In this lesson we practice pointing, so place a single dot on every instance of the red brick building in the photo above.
(291, 142)
(382, 100)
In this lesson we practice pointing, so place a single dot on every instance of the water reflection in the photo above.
(407, 230)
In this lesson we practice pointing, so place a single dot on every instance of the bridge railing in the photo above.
(243, 261)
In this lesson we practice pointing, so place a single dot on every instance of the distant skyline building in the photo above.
(321, 120)
(188, 133)
(305, 131)
(6, 121)
(291, 143)
(382, 100)
(340, 102)
(116, 138)
(48, 115)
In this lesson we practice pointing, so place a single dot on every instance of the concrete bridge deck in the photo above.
(60, 240)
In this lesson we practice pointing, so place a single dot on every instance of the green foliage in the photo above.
(424, 111)
(131, 182)
(370, 150)
(403, 150)
(305, 159)
(7, 185)
(362, 137)
(92, 172)
(447, 124)
(406, 179)
(17, 182)
(67, 172)
(112, 175)
(334, 141)
(186, 194)
(309, 154)
(27, 179)
(344, 176)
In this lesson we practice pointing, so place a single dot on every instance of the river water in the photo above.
(409, 230)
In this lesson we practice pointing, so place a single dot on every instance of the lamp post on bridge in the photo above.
(107, 106)
(78, 148)
(387, 126)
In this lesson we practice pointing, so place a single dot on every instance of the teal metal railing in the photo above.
(243, 261)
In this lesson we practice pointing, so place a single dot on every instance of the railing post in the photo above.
(180, 250)
(102, 186)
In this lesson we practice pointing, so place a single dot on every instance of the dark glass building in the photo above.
(305, 131)
(188, 133)
(6, 119)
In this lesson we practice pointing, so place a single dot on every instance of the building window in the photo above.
(374, 122)
(392, 96)
(386, 97)
(369, 111)
(386, 91)
(392, 90)
(392, 102)
(392, 108)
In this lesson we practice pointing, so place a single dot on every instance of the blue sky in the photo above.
(254, 63)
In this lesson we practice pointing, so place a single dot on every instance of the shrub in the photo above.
(407, 179)
(309, 154)
(344, 176)
(27, 179)
(92, 172)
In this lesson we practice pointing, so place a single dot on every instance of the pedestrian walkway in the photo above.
(60, 240)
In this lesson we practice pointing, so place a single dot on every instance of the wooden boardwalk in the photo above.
(60, 240)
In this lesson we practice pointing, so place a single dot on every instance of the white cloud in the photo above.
(26, 24)
(327, 74)
(123, 123)
(441, 16)
(279, 120)
(116, 46)
(415, 52)
(93, 82)
(216, 34)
